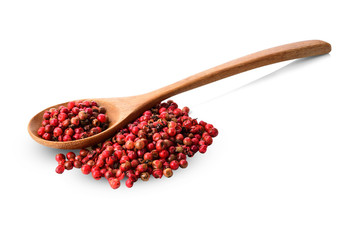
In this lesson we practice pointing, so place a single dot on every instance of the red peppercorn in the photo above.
(86, 103)
(75, 110)
(202, 148)
(48, 128)
(142, 167)
(70, 105)
(102, 118)
(140, 144)
(129, 183)
(156, 136)
(194, 148)
(62, 117)
(111, 160)
(187, 124)
(195, 140)
(53, 122)
(185, 110)
(135, 130)
(96, 174)
(144, 176)
(69, 131)
(208, 139)
(41, 131)
(86, 169)
(157, 164)
(119, 174)
(77, 164)
(83, 152)
(125, 166)
(162, 109)
(168, 172)
(108, 174)
(174, 165)
(66, 138)
(75, 121)
(183, 163)
(60, 169)
(114, 183)
(171, 131)
(132, 176)
(68, 165)
(70, 155)
(160, 145)
(129, 145)
(132, 155)
(134, 163)
(46, 115)
(66, 119)
(181, 156)
(213, 132)
(60, 157)
(163, 154)
(165, 134)
(187, 141)
(157, 173)
(46, 136)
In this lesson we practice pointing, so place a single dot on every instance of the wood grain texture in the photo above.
(122, 111)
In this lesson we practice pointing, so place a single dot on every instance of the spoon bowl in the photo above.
(120, 112)
(124, 110)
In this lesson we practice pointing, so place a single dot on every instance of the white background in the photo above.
(287, 164)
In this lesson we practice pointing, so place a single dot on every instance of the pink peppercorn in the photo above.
(60, 156)
(213, 132)
(70, 105)
(129, 183)
(68, 165)
(101, 117)
(185, 110)
(47, 136)
(114, 183)
(62, 117)
(157, 143)
(64, 120)
(53, 122)
(183, 163)
(46, 115)
(157, 173)
(41, 131)
(86, 169)
(66, 138)
(208, 139)
(202, 148)
(96, 174)
(167, 172)
(174, 165)
(60, 169)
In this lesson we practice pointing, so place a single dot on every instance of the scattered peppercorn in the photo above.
(155, 144)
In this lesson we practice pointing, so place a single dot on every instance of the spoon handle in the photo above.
(255, 60)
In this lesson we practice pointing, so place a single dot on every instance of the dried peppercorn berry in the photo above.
(60, 169)
(114, 183)
(157, 143)
(79, 119)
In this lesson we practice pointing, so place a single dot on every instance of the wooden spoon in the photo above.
(124, 110)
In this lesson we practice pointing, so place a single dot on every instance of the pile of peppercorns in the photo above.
(80, 119)
(156, 143)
